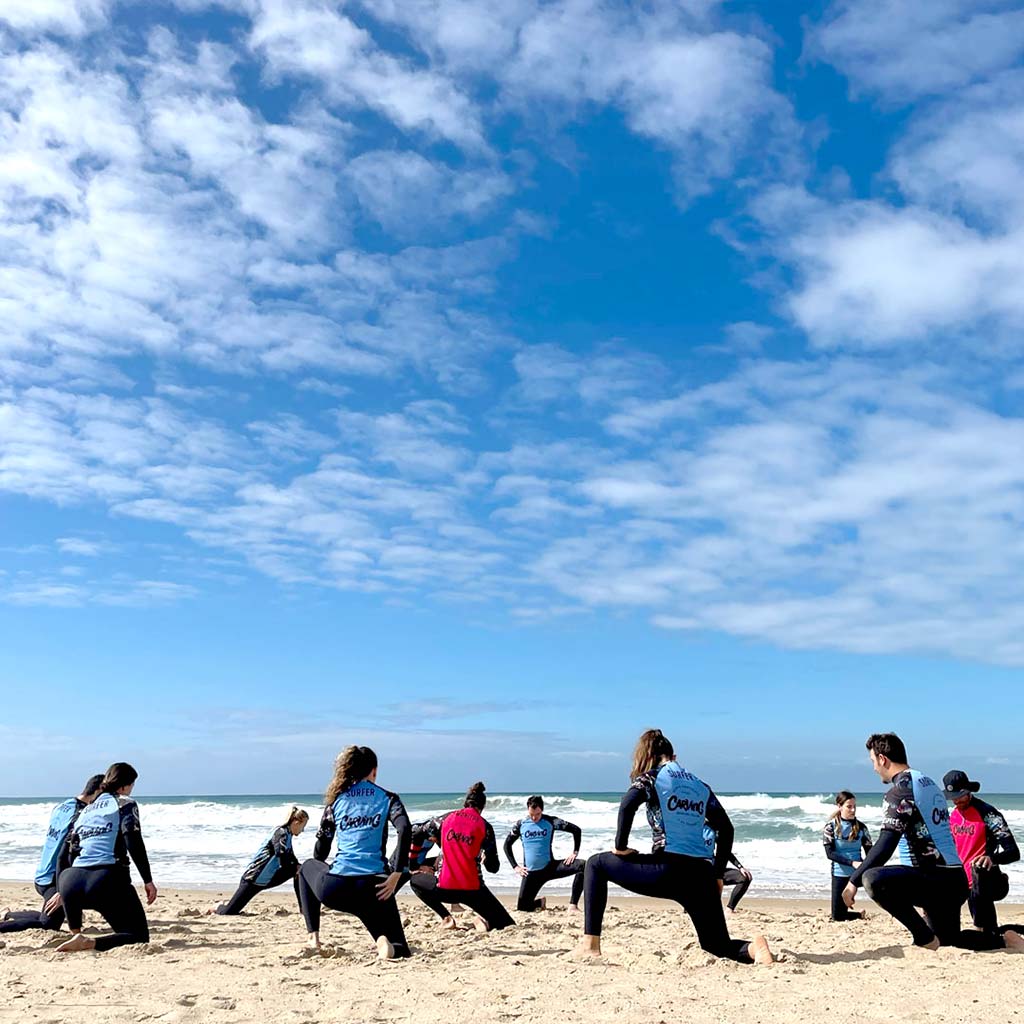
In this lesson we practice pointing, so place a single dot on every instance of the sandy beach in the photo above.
(252, 968)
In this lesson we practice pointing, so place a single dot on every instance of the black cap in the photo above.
(956, 784)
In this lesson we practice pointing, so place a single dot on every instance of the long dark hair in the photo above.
(652, 746)
(841, 797)
(353, 765)
(118, 775)
(476, 796)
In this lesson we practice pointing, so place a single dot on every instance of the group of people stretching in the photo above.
(944, 860)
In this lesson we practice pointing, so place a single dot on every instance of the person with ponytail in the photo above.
(847, 842)
(682, 867)
(466, 838)
(273, 865)
(359, 880)
(105, 836)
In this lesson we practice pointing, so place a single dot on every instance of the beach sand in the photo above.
(251, 968)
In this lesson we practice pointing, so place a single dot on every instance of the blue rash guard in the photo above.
(842, 847)
(274, 856)
(62, 820)
(915, 822)
(679, 807)
(107, 832)
(538, 838)
(359, 818)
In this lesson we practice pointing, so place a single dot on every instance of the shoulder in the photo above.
(127, 804)
(391, 796)
(830, 828)
(281, 832)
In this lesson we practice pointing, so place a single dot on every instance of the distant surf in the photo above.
(207, 841)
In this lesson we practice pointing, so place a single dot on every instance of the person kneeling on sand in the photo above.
(680, 809)
(466, 837)
(915, 820)
(358, 881)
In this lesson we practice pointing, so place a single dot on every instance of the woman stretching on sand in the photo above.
(106, 834)
(465, 838)
(358, 882)
(273, 865)
(679, 806)
(847, 841)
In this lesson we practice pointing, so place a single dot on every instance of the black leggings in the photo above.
(690, 881)
(840, 911)
(351, 894)
(939, 892)
(109, 891)
(481, 901)
(23, 920)
(247, 890)
(536, 880)
(740, 884)
(987, 888)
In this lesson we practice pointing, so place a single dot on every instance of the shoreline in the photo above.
(235, 970)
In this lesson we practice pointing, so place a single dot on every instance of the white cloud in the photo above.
(62, 17)
(903, 51)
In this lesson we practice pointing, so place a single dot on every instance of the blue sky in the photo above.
(488, 383)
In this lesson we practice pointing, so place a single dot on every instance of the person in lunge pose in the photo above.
(930, 876)
(466, 837)
(105, 836)
(273, 865)
(52, 861)
(540, 865)
(847, 841)
(983, 841)
(358, 881)
(680, 807)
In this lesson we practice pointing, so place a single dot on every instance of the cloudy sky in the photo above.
(489, 382)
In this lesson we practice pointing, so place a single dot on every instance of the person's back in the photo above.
(360, 816)
(462, 839)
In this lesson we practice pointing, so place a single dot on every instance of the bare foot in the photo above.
(573, 908)
(1014, 941)
(77, 944)
(543, 903)
(730, 911)
(5, 913)
(480, 925)
(760, 952)
(385, 951)
(588, 948)
(934, 944)
(457, 908)
(449, 924)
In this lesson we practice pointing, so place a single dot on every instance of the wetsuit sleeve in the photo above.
(561, 825)
(735, 862)
(399, 817)
(717, 819)
(866, 841)
(282, 848)
(828, 837)
(325, 834)
(880, 853)
(509, 842)
(66, 853)
(131, 829)
(628, 806)
(1002, 846)
(490, 850)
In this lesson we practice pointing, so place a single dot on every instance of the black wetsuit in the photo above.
(424, 840)
(690, 879)
(461, 881)
(273, 865)
(539, 858)
(933, 880)
(739, 881)
(99, 877)
(842, 848)
(361, 816)
(55, 858)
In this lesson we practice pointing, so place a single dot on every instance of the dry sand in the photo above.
(251, 968)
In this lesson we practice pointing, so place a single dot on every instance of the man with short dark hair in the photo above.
(915, 821)
(983, 841)
(52, 861)
(536, 832)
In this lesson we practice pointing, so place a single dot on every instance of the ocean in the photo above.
(205, 842)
